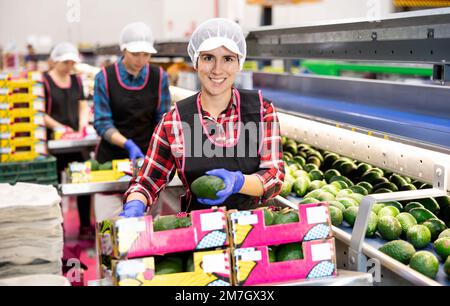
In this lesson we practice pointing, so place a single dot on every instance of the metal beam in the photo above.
(171, 49)
(422, 36)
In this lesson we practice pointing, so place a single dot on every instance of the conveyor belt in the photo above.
(68, 146)
(405, 124)
(376, 242)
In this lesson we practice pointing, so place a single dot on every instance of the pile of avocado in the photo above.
(285, 252)
(182, 262)
(284, 216)
(96, 166)
(318, 175)
(171, 222)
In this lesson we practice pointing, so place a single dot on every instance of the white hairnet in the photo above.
(65, 52)
(137, 37)
(215, 33)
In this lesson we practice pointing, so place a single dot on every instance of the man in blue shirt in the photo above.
(130, 98)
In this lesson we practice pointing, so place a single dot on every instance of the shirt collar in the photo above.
(232, 103)
(124, 75)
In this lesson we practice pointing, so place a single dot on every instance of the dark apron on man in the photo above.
(243, 156)
(133, 111)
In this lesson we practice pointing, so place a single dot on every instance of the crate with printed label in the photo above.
(7, 139)
(17, 86)
(28, 120)
(203, 268)
(11, 103)
(23, 151)
(142, 237)
(292, 262)
(261, 227)
(92, 171)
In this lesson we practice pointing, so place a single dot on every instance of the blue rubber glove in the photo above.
(133, 209)
(233, 184)
(133, 150)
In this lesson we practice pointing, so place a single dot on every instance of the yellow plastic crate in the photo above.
(18, 157)
(34, 103)
(19, 142)
(17, 113)
(35, 134)
(17, 128)
(105, 176)
(22, 119)
(23, 151)
(21, 84)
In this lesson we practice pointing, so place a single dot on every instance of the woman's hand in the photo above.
(233, 184)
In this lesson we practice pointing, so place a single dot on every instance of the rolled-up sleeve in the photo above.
(271, 165)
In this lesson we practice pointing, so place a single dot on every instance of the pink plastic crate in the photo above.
(252, 266)
(249, 230)
(134, 237)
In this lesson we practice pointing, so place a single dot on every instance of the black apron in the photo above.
(244, 156)
(132, 112)
(63, 104)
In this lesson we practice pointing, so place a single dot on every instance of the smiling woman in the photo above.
(217, 49)
(217, 70)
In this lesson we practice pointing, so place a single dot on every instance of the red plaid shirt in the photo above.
(166, 148)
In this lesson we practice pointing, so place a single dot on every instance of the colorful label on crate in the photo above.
(40, 133)
(4, 91)
(35, 76)
(5, 136)
(211, 221)
(41, 148)
(38, 90)
(4, 76)
(5, 150)
(125, 166)
(39, 105)
(39, 119)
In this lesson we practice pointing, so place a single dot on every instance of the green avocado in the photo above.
(292, 251)
(169, 265)
(165, 223)
(281, 218)
(105, 166)
(207, 186)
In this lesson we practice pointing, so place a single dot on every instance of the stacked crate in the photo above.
(137, 251)
(22, 131)
(307, 237)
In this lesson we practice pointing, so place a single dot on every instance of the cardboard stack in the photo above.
(31, 234)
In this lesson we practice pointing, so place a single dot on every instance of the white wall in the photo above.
(324, 10)
(46, 22)
(180, 18)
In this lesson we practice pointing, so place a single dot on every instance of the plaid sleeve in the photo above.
(271, 167)
(158, 165)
